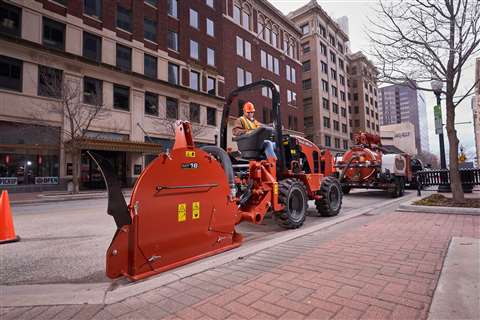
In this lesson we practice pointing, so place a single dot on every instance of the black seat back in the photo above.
(251, 144)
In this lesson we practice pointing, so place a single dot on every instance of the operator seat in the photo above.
(251, 144)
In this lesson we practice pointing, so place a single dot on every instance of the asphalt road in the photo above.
(65, 242)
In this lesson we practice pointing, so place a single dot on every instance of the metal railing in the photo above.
(469, 177)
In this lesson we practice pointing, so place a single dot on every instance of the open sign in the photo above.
(8, 181)
(46, 180)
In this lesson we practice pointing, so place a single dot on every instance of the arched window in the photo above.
(275, 37)
(260, 26)
(246, 16)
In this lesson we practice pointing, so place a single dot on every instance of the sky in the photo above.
(358, 12)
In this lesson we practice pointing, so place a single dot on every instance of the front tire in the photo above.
(331, 201)
(292, 194)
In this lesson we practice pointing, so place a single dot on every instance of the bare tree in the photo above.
(417, 41)
(79, 109)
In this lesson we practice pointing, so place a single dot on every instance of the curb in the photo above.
(409, 207)
(45, 198)
(108, 293)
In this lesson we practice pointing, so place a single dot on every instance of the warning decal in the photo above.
(182, 212)
(190, 154)
(196, 210)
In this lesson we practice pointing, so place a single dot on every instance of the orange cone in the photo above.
(7, 231)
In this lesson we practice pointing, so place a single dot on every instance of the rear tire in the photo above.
(331, 201)
(398, 189)
(292, 194)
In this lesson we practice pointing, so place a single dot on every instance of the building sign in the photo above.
(46, 180)
(402, 134)
(8, 181)
(437, 112)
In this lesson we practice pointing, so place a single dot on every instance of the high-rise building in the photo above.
(324, 77)
(261, 43)
(476, 111)
(362, 94)
(403, 103)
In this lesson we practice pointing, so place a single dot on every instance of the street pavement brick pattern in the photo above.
(385, 268)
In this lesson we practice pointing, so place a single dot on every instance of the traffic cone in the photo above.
(7, 231)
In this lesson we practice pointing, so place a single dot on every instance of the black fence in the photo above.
(469, 177)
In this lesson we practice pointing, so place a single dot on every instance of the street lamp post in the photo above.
(437, 87)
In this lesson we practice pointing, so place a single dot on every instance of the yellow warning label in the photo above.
(182, 212)
(196, 210)
(275, 188)
(190, 154)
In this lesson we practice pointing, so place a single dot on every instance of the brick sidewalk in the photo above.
(386, 268)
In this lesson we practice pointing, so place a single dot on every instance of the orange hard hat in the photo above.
(248, 107)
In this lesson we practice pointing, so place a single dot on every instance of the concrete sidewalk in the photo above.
(54, 196)
(370, 267)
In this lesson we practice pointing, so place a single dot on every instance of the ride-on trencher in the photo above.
(186, 203)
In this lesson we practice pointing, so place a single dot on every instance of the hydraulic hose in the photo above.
(224, 159)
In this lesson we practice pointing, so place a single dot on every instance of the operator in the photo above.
(247, 123)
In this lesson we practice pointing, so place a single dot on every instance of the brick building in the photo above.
(150, 62)
(261, 43)
(324, 77)
(363, 91)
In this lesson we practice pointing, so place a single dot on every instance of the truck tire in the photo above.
(398, 188)
(346, 190)
(292, 194)
(331, 201)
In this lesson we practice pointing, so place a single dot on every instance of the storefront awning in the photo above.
(115, 145)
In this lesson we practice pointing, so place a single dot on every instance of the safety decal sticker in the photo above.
(275, 188)
(196, 210)
(190, 154)
(182, 212)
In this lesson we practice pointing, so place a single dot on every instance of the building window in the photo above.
(357, 123)
(306, 47)
(211, 116)
(152, 2)
(343, 112)
(121, 97)
(53, 34)
(323, 49)
(150, 66)
(344, 128)
(151, 103)
(326, 122)
(323, 31)
(149, 29)
(291, 98)
(236, 14)
(333, 74)
(324, 67)
(172, 6)
(10, 19)
(92, 47)
(243, 77)
(342, 96)
(325, 104)
(173, 71)
(341, 64)
(210, 57)
(93, 8)
(274, 39)
(50, 82)
(210, 28)
(172, 108)
(337, 143)
(172, 42)
(332, 39)
(356, 109)
(194, 114)
(246, 20)
(333, 57)
(305, 29)
(193, 19)
(328, 141)
(124, 57)
(345, 144)
(193, 49)
(307, 84)
(194, 80)
(211, 86)
(336, 125)
(325, 85)
(334, 91)
(209, 3)
(92, 91)
(306, 66)
(10, 73)
(335, 108)
(124, 18)
(342, 80)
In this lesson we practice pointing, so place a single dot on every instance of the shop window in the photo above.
(124, 18)
(92, 47)
(211, 86)
(151, 103)
(10, 73)
(124, 57)
(211, 116)
(53, 34)
(121, 97)
(92, 91)
(194, 114)
(149, 29)
(93, 8)
(10, 19)
(50, 82)
(172, 108)
(173, 71)
(150, 66)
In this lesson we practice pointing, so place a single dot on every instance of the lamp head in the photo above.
(437, 86)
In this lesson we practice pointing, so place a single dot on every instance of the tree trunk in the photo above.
(75, 167)
(455, 181)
